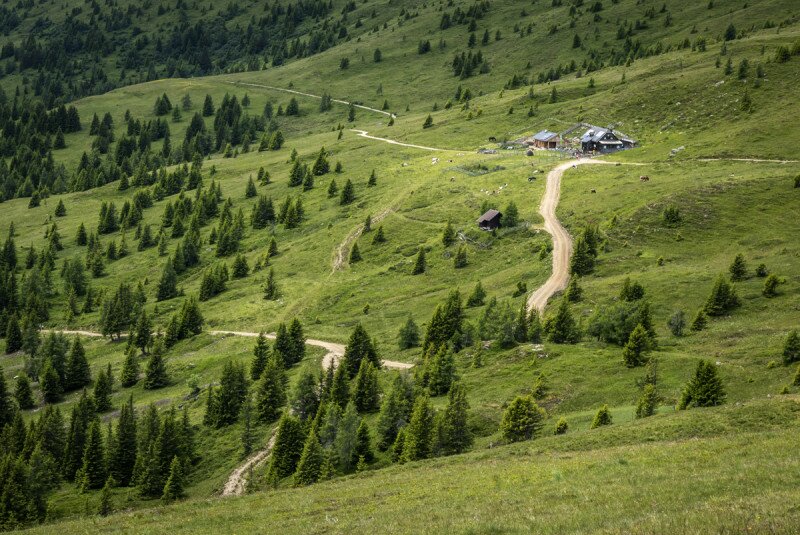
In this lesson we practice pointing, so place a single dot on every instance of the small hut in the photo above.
(490, 220)
(547, 140)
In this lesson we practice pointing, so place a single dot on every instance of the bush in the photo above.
(771, 286)
(672, 216)
(791, 348)
(522, 420)
(603, 417)
(561, 426)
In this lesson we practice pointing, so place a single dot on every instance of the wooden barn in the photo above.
(490, 220)
(605, 140)
(546, 140)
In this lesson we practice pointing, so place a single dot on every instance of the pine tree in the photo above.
(230, 395)
(363, 449)
(379, 236)
(271, 391)
(366, 391)
(173, 488)
(240, 268)
(250, 191)
(700, 321)
(346, 438)
(340, 389)
(791, 348)
(6, 407)
(455, 433)
(646, 406)
(13, 335)
(333, 189)
(309, 468)
(77, 373)
(359, 347)
(271, 288)
(355, 254)
(321, 165)
(50, 383)
(723, 298)
(511, 215)
(348, 194)
(288, 448)
(93, 472)
(561, 328)
(634, 353)
(522, 420)
(419, 265)
(260, 356)
(441, 371)
(603, 417)
(561, 426)
(738, 269)
(582, 261)
(535, 328)
(573, 292)
(460, 260)
(418, 440)
(408, 336)
(22, 393)
(168, 285)
(123, 453)
(448, 235)
(156, 371)
(106, 505)
(130, 368)
(704, 389)
(102, 392)
(394, 412)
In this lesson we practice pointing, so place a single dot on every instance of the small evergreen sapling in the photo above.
(522, 420)
(603, 417)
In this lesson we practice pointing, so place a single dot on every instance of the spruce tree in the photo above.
(561, 426)
(634, 353)
(561, 328)
(174, 487)
(271, 287)
(603, 417)
(582, 261)
(230, 394)
(340, 389)
(535, 328)
(260, 356)
(573, 292)
(348, 194)
(738, 268)
(50, 383)
(305, 398)
(704, 389)
(93, 472)
(240, 268)
(106, 505)
(309, 468)
(102, 392)
(77, 373)
(522, 420)
(366, 391)
(346, 437)
(130, 368)
(123, 453)
(250, 191)
(441, 370)
(333, 189)
(700, 321)
(156, 371)
(379, 236)
(646, 406)
(321, 165)
(142, 332)
(13, 335)
(247, 428)
(408, 336)
(168, 285)
(770, 288)
(723, 298)
(359, 347)
(288, 448)
(398, 447)
(363, 448)
(6, 407)
(22, 393)
(271, 391)
(460, 259)
(791, 348)
(448, 235)
(355, 254)
(394, 411)
(419, 265)
(418, 440)
(456, 436)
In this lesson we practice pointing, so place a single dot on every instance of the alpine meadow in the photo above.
(390, 266)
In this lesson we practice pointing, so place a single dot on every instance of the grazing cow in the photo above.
(644, 178)
(594, 191)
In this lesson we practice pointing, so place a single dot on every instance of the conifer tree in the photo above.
(240, 268)
(738, 268)
(363, 448)
(796, 381)
(448, 235)
(355, 254)
(93, 472)
(394, 411)
(333, 189)
(271, 391)
(102, 392)
(522, 420)
(81, 238)
(379, 236)
(156, 371)
(348, 194)
(142, 332)
(603, 417)
(273, 248)
(456, 436)
(123, 453)
(441, 370)
(247, 428)
(309, 468)
(366, 391)
(723, 298)
(535, 328)
(305, 398)
(634, 353)
(340, 389)
(419, 265)
(791, 348)
(81, 417)
(130, 368)
(22, 393)
(77, 373)
(359, 347)
(230, 395)
(646, 406)
(168, 285)
(408, 336)
(573, 292)
(704, 389)
(561, 328)
(271, 287)
(418, 440)
(260, 356)
(106, 505)
(250, 191)
(511, 215)
(6, 407)
(398, 447)
(321, 165)
(50, 383)
(288, 448)
(582, 261)
(770, 288)
(460, 260)
(13, 335)
(346, 437)
(700, 321)
(174, 487)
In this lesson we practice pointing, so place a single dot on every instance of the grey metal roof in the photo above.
(488, 216)
(545, 135)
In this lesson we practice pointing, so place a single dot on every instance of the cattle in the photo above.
(644, 178)
(594, 191)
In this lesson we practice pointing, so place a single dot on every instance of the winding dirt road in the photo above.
(235, 486)
(363, 133)
(562, 241)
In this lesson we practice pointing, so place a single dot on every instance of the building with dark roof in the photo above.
(605, 140)
(490, 220)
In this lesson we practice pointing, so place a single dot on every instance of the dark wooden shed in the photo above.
(490, 220)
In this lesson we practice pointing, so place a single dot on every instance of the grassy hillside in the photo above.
(669, 98)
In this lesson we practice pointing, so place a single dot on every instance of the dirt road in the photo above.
(235, 486)
(363, 133)
(562, 242)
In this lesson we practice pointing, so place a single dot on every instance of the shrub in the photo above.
(791, 348)
(522, 420)
(771, 286)
(603, 417)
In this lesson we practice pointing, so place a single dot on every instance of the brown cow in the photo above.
(644, 178)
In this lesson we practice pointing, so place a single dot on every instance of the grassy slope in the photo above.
(722, 218)
(695, 472)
